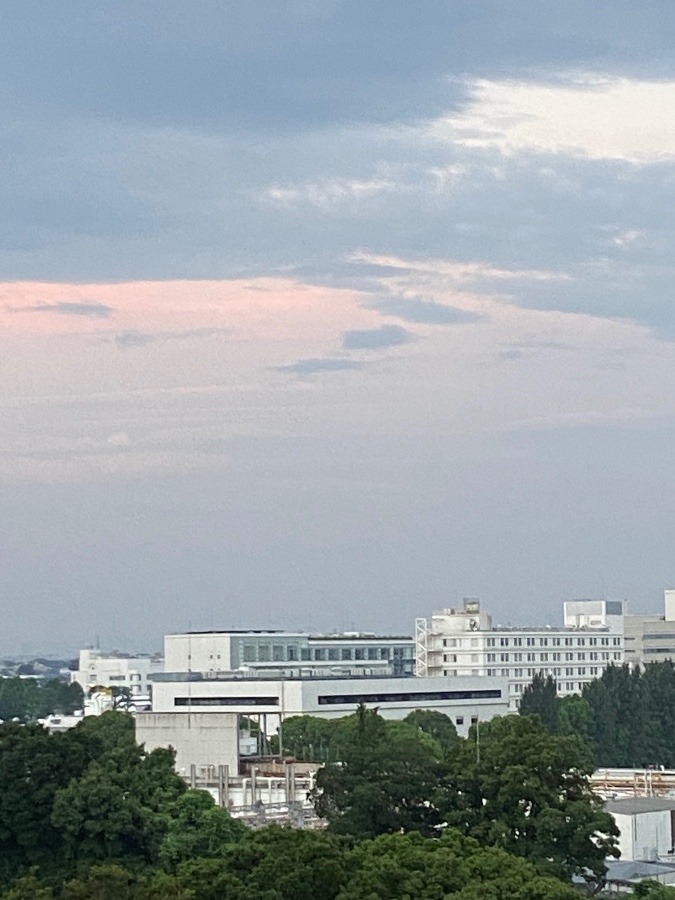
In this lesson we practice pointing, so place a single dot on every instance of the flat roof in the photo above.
(264, 632)
(629, 806)
(258, 676)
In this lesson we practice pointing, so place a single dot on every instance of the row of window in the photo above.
(263, 652)
(544, 657)
(347, 699)
(561, 687)
(530, 673)
(553, 642)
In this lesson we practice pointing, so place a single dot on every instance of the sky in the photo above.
(326, 314)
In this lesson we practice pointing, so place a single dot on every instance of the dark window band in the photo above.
(417, 696)
(226, 701)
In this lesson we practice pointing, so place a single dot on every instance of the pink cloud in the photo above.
(259, 308)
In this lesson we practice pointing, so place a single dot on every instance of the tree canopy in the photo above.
(413, 810)
(27, 700)
(627, 716)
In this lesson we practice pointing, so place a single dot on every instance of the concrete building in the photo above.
(272, 699)
(464, 642)
(646, 825)
(97, 669)
(651, 637)
(201, 739)
(289, 653)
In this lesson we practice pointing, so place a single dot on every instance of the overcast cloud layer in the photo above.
(327, 314)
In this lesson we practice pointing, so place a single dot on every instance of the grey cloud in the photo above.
(132, 339)
(321, 64)
(304, 367)
(376, 338)
(424, 312)
(129, 340)
(511, 353)
(518, 351)
(92, 310)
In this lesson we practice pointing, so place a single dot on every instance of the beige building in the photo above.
(651, 637)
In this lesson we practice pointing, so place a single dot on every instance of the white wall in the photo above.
(289, 697)
(114, 671)
(197, 652)
(644, 835)
(669, 604)
(199, 739)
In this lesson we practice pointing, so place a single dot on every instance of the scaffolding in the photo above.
(421, 648)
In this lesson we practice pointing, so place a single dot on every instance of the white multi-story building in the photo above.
(97, 669)
(464, 642)
(289, 653)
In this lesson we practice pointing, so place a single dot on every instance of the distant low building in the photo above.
(110, 671)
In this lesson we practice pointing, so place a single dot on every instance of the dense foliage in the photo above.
(26, 699)
(324, 740)
(627, 716)
(413, 810)
(514, 785)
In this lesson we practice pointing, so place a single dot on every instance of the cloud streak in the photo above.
(307, 367)
(423, 312)
(66, 308)
(376, 338)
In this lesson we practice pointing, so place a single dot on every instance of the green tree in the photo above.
(271, 864)
(528, 791)
(57, 697)
(654, 891)
(198, 828)
(384, 779)
(101, 882)
(540, 698)
(118, 808)
(436, 724)
(26, 699)
(28, 887)
(19, 699)
(34, 766)
(404, 866)
(574, 717)
(95, 736)
(310, 738)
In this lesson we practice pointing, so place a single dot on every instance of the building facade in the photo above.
(97, 669)
(289, 653)
(270, 700)
(464, 642)
(651, 638)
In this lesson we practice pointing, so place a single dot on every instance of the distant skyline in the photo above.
(328, 314)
